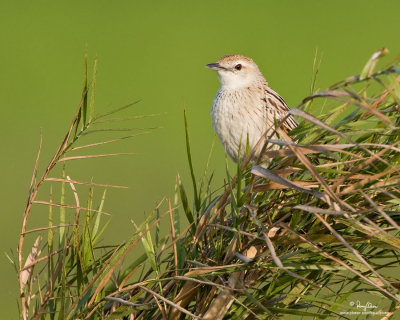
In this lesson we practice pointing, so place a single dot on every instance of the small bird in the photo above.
(245, 107)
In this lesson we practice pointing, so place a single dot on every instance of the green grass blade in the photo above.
(98, 216)
(92, 90)
(85, 92)
(185, 204)
(189, 156)
(62, 210)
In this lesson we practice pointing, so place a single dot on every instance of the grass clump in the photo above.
(310, 230)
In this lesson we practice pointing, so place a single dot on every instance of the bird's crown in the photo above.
(236, 71)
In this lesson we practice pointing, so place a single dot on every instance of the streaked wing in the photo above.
(280, 108)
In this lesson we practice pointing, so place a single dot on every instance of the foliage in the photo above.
(303, 231)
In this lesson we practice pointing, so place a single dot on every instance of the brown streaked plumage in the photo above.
(245, 106)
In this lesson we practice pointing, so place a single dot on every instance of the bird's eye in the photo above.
(238, 66)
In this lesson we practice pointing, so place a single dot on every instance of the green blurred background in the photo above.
(156, 51)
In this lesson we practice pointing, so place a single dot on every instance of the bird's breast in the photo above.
(237, 115)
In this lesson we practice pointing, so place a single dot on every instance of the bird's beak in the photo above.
(215, 66)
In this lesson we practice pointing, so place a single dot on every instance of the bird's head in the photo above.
(235, 71)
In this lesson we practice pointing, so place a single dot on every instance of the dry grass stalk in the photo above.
(299, 232)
